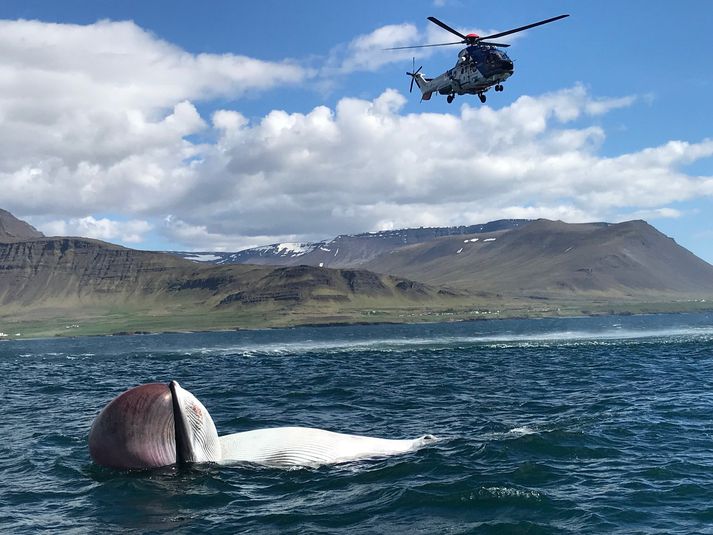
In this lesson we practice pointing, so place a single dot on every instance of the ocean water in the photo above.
(585, 425)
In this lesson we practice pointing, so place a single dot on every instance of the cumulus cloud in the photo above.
(656, 213)
(366, 166)
(106, 229)
(101, 119)
(370, 52)
(199, 237)
(120, 65)
(97, 115)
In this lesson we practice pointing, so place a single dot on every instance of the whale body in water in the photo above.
(158, 424)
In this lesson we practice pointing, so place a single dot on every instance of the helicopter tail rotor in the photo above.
(413, 74)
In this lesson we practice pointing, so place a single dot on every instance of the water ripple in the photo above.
(553, 426)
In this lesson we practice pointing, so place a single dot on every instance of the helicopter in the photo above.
(480, 66)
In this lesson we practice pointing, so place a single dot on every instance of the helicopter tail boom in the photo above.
(423, 84)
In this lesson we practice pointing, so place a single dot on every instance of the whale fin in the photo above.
(196, 437)
(303, 446)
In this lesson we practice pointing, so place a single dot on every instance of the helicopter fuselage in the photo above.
(479, 67)
(481, 64)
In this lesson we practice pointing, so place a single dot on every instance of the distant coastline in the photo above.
(36, 330)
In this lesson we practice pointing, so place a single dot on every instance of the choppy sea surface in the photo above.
(584, 425)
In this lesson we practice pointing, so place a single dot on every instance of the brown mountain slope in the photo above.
(553, 258)
(67, 273)
(12, 229)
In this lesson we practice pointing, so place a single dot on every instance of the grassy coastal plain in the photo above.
(119, 320)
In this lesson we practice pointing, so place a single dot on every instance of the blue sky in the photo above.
(223, 125)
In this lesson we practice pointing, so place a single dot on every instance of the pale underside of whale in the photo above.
(156, 425)
(303, 446)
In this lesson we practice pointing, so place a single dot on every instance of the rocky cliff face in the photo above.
(78, 268)
(70, 272)
(13, 229)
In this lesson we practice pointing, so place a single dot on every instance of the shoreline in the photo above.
(351, 323)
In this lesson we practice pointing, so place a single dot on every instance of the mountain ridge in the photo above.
(553, 257)
(355, 249)
(514, 257)
(12, 228)
(510, 269)
(52, 282)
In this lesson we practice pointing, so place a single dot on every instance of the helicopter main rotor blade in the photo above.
(521, 28)
(424, 46)
(473, 40)
(445, 26)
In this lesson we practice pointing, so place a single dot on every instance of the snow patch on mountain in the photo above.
(294, 249)
(348, 249)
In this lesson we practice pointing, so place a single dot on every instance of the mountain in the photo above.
(12, 229)
(554, 258)
(67, 271)
(345, 250)
(48, 284)
(82, 270)
(53, 285)
(517, 258)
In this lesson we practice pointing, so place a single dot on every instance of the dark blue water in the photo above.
(552, 426)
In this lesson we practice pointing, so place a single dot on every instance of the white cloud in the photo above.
(656, 213)
(105, 229)
(602, 106)
(200, 238)
(370, 52)
(98, 114)
(100, 119)
(365, 166)
(120, 65)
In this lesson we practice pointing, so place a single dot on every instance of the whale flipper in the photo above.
(303, 446)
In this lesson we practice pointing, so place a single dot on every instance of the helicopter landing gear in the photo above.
(450, 98)
(482, 98)
(499, 88)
